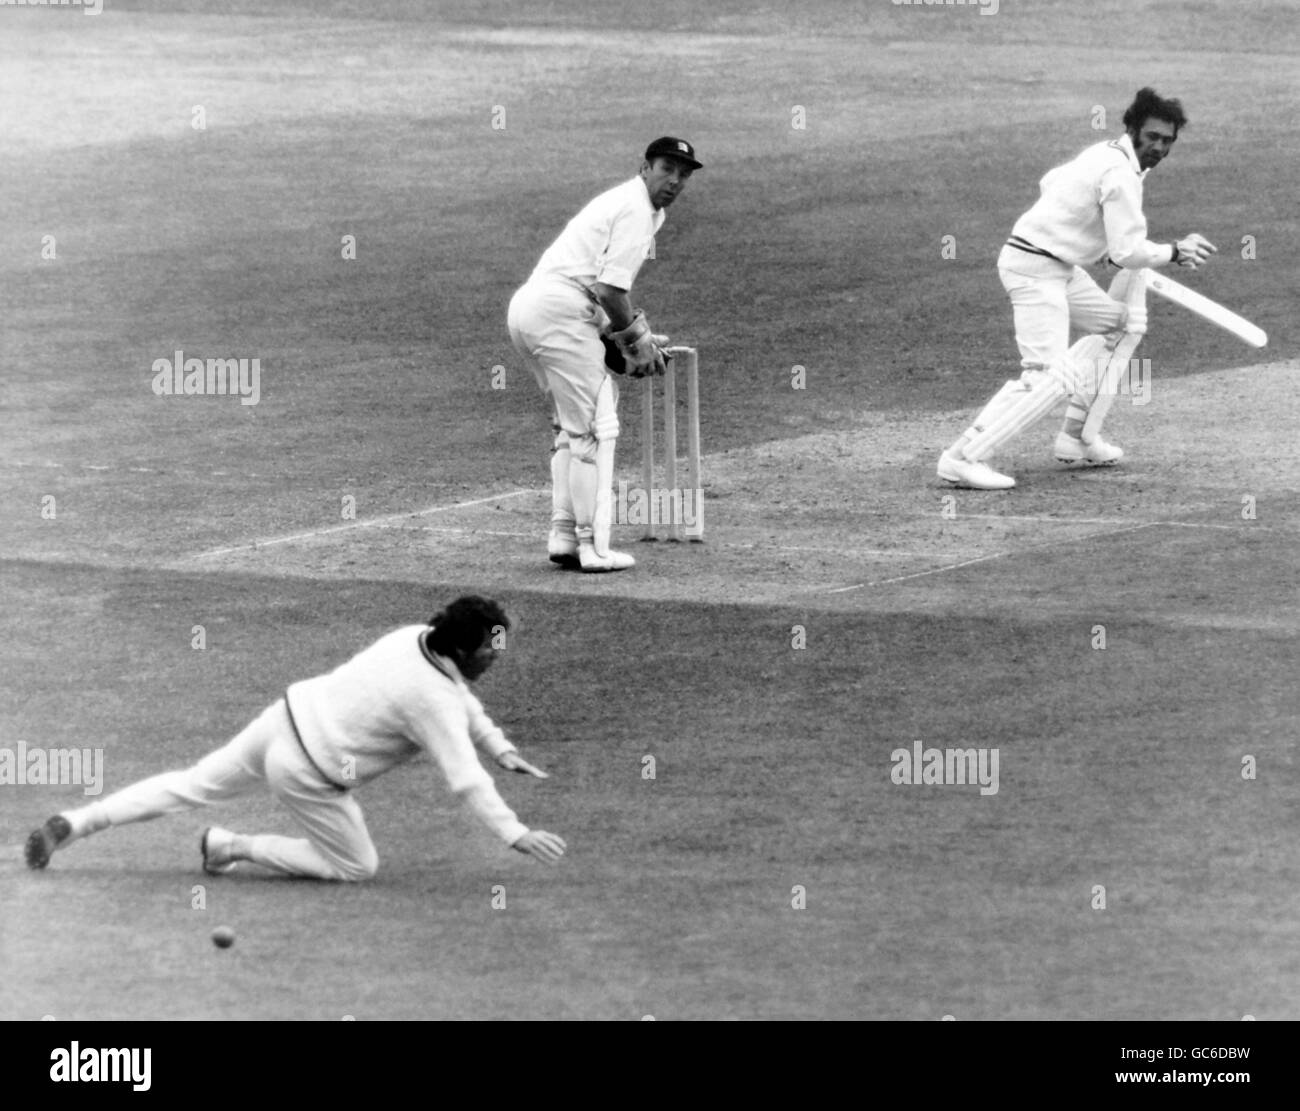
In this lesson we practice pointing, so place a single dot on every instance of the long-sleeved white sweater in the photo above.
(392, 701)
(1091, 207)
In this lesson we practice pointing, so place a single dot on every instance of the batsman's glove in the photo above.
(1193, 252)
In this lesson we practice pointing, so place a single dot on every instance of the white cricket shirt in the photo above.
(606, 242)
(1091, 207)
(391, 702)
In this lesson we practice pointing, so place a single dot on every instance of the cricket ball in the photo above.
(223, 937)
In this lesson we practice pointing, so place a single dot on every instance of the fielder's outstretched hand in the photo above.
(546, 847)
(513, 762)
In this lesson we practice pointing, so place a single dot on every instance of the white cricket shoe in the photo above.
(591, 561)
(215, 846)
(1070, 449)
(978, 476)
(562, 546)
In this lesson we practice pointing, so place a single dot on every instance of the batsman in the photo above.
(1089, 209)
(574, 324)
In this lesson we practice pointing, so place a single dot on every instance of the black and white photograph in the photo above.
(606, 511)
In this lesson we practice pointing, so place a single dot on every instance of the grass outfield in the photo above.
(817, 247)
(772, 770)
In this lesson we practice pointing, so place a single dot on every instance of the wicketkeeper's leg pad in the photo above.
(591, 473)
(561, 498)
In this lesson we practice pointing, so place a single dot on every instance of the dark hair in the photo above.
(465, 624)
(1148, 104)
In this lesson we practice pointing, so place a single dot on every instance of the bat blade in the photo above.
(1215, 313)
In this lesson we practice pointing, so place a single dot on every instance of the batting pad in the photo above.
(1132, 287)
(1013, 410)
(998, 403)
(1090, 356)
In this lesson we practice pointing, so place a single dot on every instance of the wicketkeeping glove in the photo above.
(639, 348)
(615, 363)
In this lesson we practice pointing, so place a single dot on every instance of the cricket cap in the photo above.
(668, 147)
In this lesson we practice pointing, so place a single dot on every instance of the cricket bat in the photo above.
(1201, 305)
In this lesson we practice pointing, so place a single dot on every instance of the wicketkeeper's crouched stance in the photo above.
(1089, 209)
(404, 695)
(574, 305)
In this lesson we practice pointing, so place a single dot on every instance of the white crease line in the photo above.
(1249, 526)
(918, 574)
(454, 531)
(837, 551)
(990, 556)
(118, 467)
(390, 522)
(1038, 520)
(1088, 521)
(360, 524)
(1229, 528)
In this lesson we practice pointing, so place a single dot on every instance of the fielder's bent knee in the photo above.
(369, 866)
(363, 868)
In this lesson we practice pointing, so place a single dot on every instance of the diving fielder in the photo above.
(406, 694)
(1089, 209)
(576, 297)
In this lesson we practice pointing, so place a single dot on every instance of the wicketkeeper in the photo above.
(405, 695)
(574, 324)
(1089, 209)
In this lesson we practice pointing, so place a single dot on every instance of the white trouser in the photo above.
(556, 328)
(1048, 297)
(337, 845)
